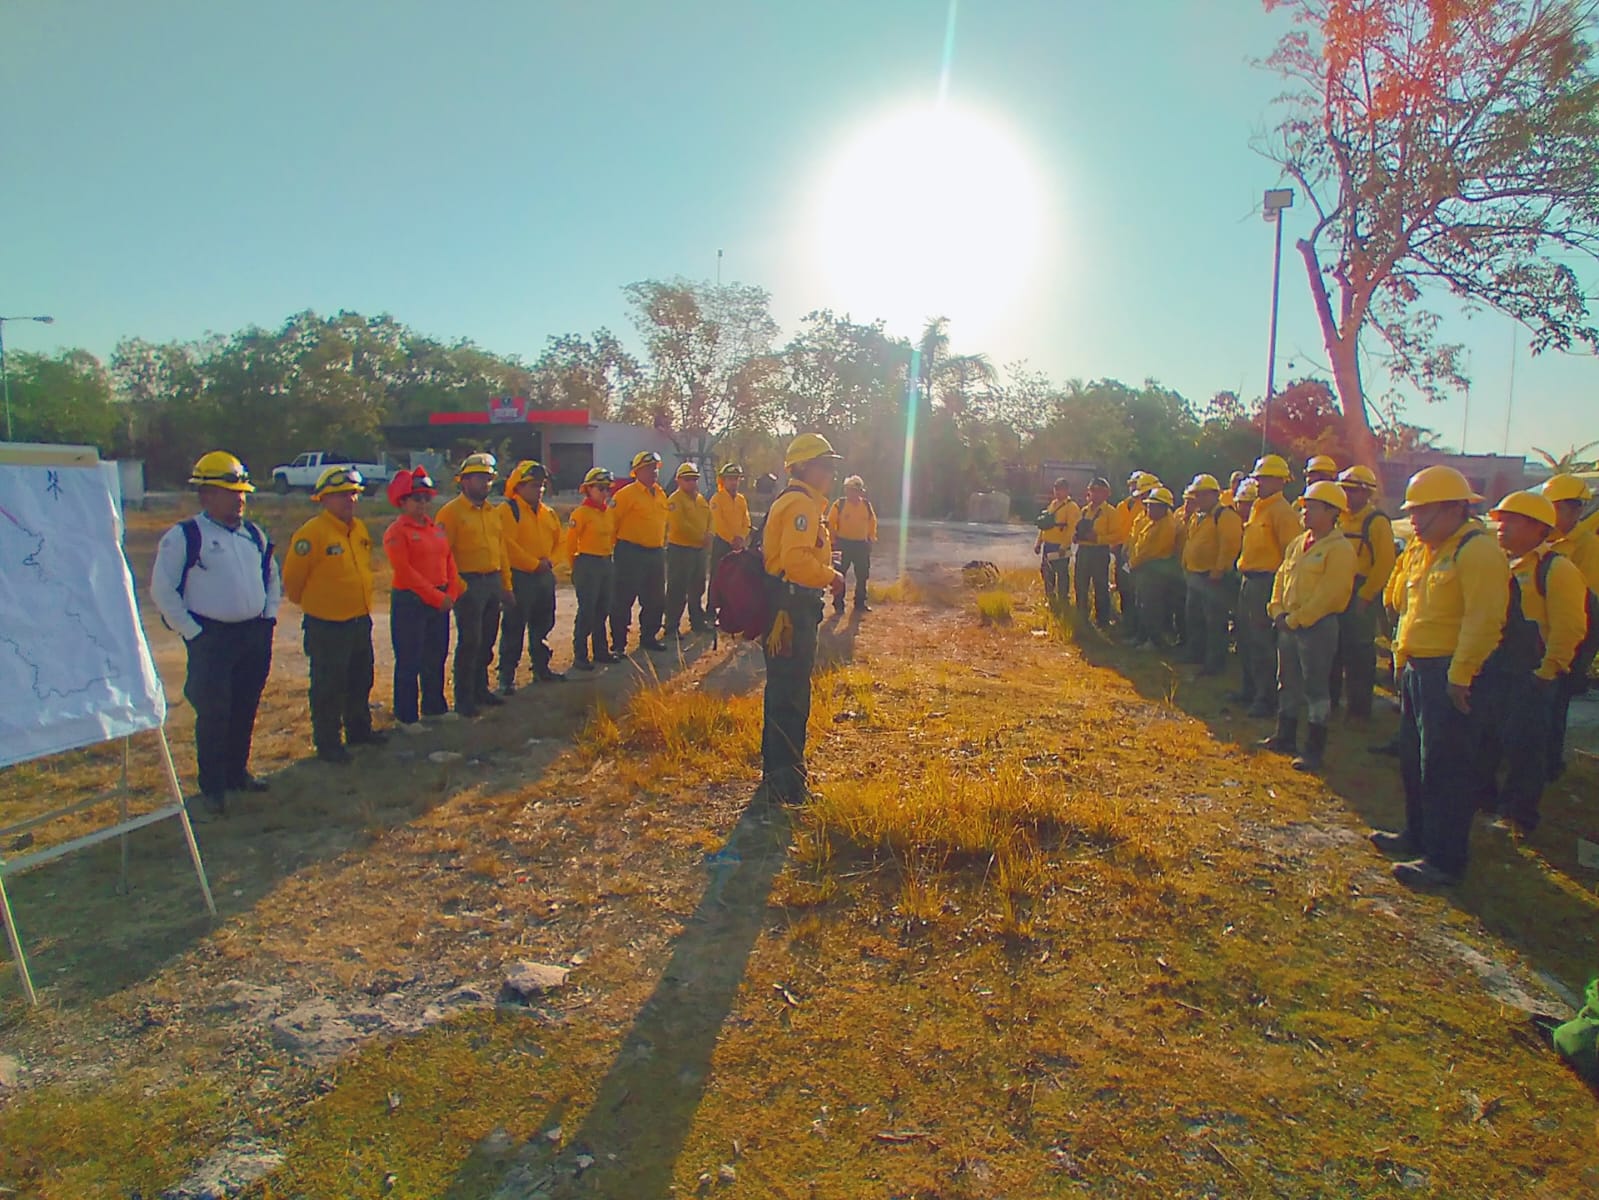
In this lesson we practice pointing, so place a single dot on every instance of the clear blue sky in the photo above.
(500, 170)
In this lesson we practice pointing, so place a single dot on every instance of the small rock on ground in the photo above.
(529, 980)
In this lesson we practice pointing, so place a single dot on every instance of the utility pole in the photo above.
(1277, 199)
(718, 268)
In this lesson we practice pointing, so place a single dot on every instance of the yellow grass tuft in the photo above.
(903, 590)
(995, 607)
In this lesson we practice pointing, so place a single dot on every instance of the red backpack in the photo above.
(741, 589)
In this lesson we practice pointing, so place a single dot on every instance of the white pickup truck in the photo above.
(304, 471)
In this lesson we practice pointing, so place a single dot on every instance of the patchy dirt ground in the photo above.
(1194, 980)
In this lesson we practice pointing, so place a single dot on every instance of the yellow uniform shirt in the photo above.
(1153, 540)
(1315, 581)
(1273, 523)
(1373, 562)
(641, 514)
(688, 519)
(730, 515)
(1128, 514)
(1066, 514)
(328, 570)
(1107, 524)
(475, 536)
(1582, 548)
(796, 545)
(1213, 540)
(593, 531)
(530, 536)
(852, 520)
(1393, 592)
(1561, 613)
(1453, 602)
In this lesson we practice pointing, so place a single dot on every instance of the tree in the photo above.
(595, 373)
(711, 369)
(1443, 144)
(1568, 462)
(840, 376)
(64, 397)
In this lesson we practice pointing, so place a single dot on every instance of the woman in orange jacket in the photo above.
(426, 587)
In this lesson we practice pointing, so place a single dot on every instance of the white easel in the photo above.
(81, 458)
(125, 825)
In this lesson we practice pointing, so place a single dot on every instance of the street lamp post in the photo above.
(1277, 199)
(5, 383)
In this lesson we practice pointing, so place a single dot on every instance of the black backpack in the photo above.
(193, 540)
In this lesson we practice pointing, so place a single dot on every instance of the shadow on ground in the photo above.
(1533, 894)
(85, 941)
(629, 1140)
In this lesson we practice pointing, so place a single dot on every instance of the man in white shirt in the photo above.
(217, 585)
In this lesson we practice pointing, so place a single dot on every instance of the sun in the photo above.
(930, 212)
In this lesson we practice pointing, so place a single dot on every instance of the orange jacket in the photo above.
(419, 552)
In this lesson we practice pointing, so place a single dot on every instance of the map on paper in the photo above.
(75, 669)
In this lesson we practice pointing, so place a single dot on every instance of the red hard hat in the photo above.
(405, 483)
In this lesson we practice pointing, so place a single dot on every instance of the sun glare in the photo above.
(930, 213)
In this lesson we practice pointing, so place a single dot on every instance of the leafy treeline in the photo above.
(711, 373)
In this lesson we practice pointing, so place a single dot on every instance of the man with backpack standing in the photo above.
(1455, 592)
(641, 510)
(1354, 669)
(532, 534)
(1272, 525)
(1210, 548)
(1547, 619)
(328, 573)
(852, 521)
(218, 587)
(730, 521)
(1580, 544)
(477, 541)
(798, 555)
(1095, 536)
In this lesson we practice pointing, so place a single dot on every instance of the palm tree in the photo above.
(951, 379)
(1568, 462)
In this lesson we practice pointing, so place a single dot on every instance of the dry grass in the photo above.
(1040, 934)
(995, 607)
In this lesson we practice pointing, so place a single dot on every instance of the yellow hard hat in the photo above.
(336, 481)
(1204, 483)
(598, 475)
(1437, 485)
(1358, 476)
(731, 469)
(688, 471)
(522, 472)
(1328, 492)
(1566, 487)
(1271, 466)
(1159, 496)
(1321, 462)
(643, 459)
(1145, 482)
(481, 463)
(1248, 490)
(808, 447)
(223, 470)
(1535, 505)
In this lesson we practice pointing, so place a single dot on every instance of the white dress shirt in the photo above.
(225, 585)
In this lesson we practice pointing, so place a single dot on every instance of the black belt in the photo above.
(1259, 574)
(785, 588)
(480, 574)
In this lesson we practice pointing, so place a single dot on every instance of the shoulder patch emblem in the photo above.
(802, 523)
(303, 546)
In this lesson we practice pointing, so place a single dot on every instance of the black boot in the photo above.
(1286, 737)
(1315, 748)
